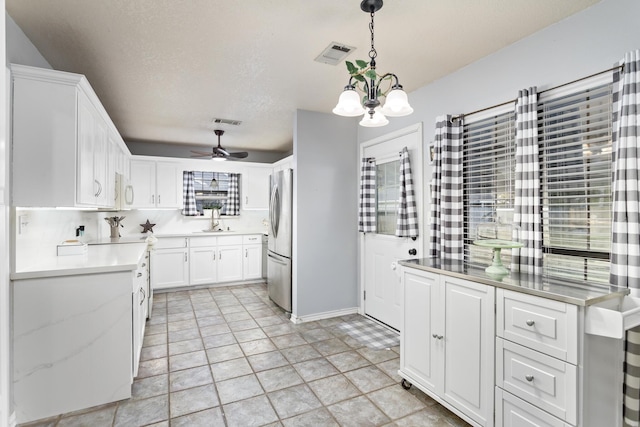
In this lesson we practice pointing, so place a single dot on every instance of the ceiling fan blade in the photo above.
(239, 155)
(221, 151)
(200, 153)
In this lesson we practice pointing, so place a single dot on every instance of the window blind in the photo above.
(489, 179)
(211, 188)
(575, 159)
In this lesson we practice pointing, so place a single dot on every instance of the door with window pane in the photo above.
(380, 279)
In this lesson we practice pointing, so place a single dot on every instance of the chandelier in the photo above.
(349, 104)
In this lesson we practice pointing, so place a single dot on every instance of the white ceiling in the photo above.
(165, 68)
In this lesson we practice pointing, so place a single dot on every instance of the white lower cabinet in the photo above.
(252, 263)
(230, 257)
(170, 263)
(557, 364)
(140, 293)
(447, 342)
(206, 259)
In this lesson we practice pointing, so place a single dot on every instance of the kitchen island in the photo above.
(524, 350)
(75, 325)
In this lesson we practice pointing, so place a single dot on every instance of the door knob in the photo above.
(413, 251)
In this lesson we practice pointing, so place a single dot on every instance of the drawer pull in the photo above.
(530, 322)
(528, 378)
(440, 337)
(435, 336)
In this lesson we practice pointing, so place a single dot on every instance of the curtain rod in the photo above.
(617, 67)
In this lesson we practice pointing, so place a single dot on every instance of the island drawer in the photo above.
(171, 242)
(515, 412)
(544, 381)
(548, 326)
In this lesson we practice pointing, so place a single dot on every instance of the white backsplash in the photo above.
(45, 228)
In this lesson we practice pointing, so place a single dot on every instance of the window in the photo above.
(574, 127)
(488, 180)
(211, 189)
(575, 159)
(387, 194)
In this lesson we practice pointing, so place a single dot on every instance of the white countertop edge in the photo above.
(98, 259)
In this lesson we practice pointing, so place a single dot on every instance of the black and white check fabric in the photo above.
(527, 214)
(625, 227)
(188, 195)
(370, 334)
(447, 227)
(407, 223)
(232, 207)
(367, 205)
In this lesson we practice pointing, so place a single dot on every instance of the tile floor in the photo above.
(228, 356)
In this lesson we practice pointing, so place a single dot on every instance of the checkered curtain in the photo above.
(527, 215)
(447, 227)
(367, 206)
(232, 207)
(188, 195)
(625, 243)
(407, 224)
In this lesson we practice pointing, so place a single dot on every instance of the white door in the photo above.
(203, 265)
(169, 268)
(380, 251)
(421, 347)
(469, 347)
(229, 263)
(252, 264)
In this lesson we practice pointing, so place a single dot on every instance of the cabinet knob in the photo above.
(528, 378)
(440, 337)
(413, 251)
(530, 322)
(435, 336)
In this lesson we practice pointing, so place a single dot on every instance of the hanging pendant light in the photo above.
(349, 104)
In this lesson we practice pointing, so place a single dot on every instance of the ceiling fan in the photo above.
(219, 153)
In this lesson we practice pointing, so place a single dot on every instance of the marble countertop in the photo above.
(98, 259)
(572, 292)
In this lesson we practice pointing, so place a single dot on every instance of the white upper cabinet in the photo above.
(255, 188)
(60, 141)
(157, 184)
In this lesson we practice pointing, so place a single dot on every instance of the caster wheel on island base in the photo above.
(405, 384)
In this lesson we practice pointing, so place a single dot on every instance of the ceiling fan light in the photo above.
(219, 159)
(349, 103)
(397, 104)
(377, 120)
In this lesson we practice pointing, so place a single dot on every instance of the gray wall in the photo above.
(326, 213)
(20, 50)
(585, 43)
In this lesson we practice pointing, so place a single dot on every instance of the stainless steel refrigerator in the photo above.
(280, 238)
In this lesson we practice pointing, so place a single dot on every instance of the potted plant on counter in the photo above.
(211, 209)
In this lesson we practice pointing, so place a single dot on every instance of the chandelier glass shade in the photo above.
(350, 103)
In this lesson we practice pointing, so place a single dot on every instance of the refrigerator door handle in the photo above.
(272, 209)
(275, 211)
(276, 259)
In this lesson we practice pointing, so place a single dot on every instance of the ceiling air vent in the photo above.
(227, 122)
(334, 53)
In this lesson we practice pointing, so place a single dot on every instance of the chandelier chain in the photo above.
(372, 52)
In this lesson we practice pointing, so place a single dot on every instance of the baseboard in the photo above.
(325, 315)
(209, 285)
